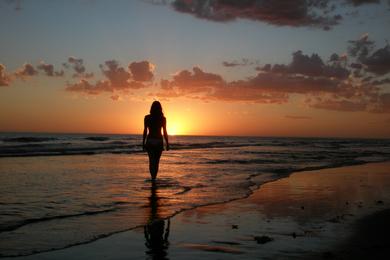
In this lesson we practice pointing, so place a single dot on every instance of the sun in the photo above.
(174, 129)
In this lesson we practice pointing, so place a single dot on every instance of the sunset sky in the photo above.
(219, 67)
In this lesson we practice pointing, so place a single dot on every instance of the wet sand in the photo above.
(338, 213)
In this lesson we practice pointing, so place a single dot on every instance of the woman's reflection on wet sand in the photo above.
(156, 231)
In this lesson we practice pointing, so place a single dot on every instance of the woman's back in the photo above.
(154, 125)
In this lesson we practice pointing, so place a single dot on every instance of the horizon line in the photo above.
(200, 135)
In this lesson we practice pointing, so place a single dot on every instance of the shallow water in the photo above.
(51, 202)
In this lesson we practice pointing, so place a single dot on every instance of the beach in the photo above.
(311, 214)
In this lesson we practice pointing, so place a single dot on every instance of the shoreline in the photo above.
(233, 211)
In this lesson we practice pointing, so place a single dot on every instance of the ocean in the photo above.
(60, 190)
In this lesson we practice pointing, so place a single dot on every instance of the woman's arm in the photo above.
(144, 135)
(165, 132)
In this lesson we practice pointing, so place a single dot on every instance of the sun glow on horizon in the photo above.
(175, 128)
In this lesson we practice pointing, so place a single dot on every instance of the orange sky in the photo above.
(184, 116)
(283, 73)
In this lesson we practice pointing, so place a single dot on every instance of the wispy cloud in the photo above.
(242, 62)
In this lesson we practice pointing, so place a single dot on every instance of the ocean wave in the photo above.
(244, 161)
(28, 139)
(97, 138)
(115, 147)
(18, 224)
(122, 146)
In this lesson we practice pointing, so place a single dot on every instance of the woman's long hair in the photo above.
(156, 110)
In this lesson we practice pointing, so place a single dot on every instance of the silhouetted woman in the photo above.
(154, 145)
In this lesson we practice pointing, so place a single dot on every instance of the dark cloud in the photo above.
(142, 71)
(5, 79)
(361, 2)
(376, 61)
(278, 12)
(379, 61)
(48, 69)
(27, 70)
(356, 66)
(360, 48)
(380, 81)
(314, 13)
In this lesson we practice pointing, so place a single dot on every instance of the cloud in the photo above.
(371, 60)
(323, 14)
(360, 48)
(187, 82)
(116, 79)
(243, 62)
(265, 87)
(115, 97)
(142, 71)
(297, 117)
(48, 69)
(379, 61)
(117, 76)
(383, 104)
(247, 93)
(273, 84)
(339, 105)
(83, 86)
(5, 79)
(78, 67)
(27, 70)
(281, 82)
(379, 82)
(325, 85)
(361, 2)
(312, 66)
(281, 13)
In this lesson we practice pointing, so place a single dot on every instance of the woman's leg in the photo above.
(154, 160)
